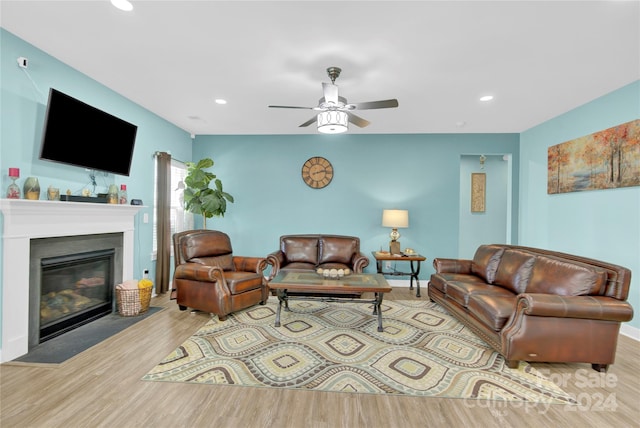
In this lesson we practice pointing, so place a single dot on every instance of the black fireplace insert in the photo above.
(75, 289)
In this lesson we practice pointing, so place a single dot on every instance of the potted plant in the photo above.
(199, 198)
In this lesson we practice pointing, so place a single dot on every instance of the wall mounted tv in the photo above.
(76, 133)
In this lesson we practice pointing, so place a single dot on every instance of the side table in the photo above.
(414, 261)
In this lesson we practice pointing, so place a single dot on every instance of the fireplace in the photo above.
(71, 282)
(71, 225)
(74, 290)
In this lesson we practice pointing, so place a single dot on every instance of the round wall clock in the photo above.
(317, 172)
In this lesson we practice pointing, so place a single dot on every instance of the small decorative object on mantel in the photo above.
(123, 194)
(13, 191)
(32, 188)
(53, 193)
(112, 195)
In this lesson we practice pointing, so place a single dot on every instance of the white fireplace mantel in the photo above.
(24, 220)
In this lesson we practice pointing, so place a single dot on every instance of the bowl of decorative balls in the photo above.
(333, 273)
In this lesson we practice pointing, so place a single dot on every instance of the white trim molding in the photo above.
(24, 220)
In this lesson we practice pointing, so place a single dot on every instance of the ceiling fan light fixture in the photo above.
(333, 122)
(123, 5)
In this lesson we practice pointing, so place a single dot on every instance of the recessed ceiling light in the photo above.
(122, 5)
(486, 98)
(220, 101)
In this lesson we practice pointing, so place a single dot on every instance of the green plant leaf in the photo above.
(198, 197)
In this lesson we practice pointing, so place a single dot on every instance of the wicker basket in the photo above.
(133, 302)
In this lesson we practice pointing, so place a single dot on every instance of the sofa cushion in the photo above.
(439, 280)
(514, 270)
(300, 249)
(241, 282)
(461, 291)
(205, 245)
(299, 266)
(485, 261)
(334, 249)
(223, 262)
(553, 275)
(493, 311)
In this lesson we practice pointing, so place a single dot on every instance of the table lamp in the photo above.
(395, 219)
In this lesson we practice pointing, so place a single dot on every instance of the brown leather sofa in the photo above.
(310, 252)
(209, 278)
(537, 305)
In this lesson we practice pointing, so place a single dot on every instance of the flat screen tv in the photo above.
(76, 133)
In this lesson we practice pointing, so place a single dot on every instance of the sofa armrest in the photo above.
(276, 260)
(452, 265)
(249, 264)
(586, 307)
(198, 272)
(359, 262)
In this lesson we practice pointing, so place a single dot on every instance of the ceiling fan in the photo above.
(335, 112)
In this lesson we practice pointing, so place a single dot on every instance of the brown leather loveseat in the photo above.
(537, 305)
(310, 252)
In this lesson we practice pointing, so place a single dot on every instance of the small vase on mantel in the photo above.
(13, 191)
(32, 188)
(112, 194)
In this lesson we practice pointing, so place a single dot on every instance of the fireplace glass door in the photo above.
(75, 289)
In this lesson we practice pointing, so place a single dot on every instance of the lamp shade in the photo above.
(395, 218)
(333, 122)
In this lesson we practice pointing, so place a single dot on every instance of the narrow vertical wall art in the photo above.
(478, 191)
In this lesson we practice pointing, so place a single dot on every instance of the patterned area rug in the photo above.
(327, 346)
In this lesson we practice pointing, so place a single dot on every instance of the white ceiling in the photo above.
(538, 58)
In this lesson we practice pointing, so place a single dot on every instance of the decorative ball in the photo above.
(333, 273)
(319, 271)
(347, 271)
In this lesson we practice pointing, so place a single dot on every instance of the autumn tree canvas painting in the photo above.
(603, 160)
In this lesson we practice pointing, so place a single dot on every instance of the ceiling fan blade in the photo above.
(357, 120)
(305, 108)
(373, 105)
(308, 122)
(330, 92)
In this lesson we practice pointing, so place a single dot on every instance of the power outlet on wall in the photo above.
(387, 265)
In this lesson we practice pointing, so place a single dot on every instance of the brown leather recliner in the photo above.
(209, 278)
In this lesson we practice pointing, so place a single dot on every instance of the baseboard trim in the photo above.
(632, 332)
(403, 283)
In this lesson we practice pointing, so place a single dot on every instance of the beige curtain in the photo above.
(163, 216)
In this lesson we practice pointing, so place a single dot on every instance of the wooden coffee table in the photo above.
(310, 282)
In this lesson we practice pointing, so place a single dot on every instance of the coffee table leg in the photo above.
(377, 307)
(282, 297)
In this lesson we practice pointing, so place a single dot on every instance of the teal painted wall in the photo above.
(372, 172)
(420, 173)
(23, 101)
(603, 224)
(477, 228)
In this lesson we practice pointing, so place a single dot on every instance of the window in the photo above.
(180, 218)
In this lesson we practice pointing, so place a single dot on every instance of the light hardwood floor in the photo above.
(102, 388)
